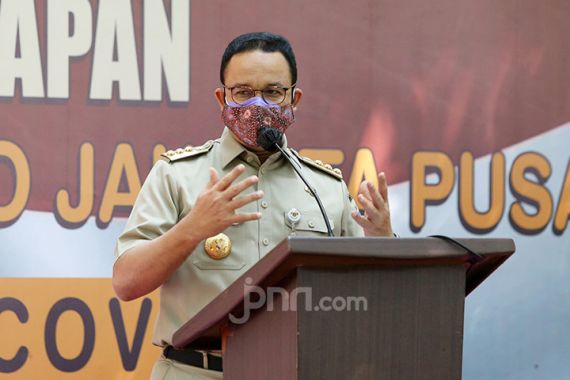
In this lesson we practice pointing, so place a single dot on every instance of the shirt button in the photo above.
(264, 204)
(312, 224)
(249, 159)
(265, 241)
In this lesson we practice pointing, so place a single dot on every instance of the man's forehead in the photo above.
(257, 68)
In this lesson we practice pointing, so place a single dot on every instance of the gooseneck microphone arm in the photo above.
(270, 139)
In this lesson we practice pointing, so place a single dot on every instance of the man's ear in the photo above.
(219, 94)
(297, 95)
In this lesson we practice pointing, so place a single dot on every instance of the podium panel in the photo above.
(347, 308)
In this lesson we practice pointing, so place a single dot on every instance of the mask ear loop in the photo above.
(225, 98)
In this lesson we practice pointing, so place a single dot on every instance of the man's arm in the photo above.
(146, 266)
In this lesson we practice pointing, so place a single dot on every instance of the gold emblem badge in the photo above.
(218, 247)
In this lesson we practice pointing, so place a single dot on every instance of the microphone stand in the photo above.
(269, 140)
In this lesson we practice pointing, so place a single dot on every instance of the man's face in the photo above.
(258, 70)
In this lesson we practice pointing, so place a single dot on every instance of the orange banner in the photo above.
(57, 328)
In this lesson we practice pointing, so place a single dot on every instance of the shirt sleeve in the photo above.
(155, 210)
(349, 225)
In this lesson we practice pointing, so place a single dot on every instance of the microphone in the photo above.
(271, 140)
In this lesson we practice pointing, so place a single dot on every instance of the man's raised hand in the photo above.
(215, 208)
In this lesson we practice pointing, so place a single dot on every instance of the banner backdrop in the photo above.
(465, 106)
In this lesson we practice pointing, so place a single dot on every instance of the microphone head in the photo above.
(268, 138)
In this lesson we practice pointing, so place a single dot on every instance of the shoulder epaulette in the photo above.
(188, 151)
(318, 164)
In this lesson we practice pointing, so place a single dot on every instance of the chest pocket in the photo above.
(310, 223)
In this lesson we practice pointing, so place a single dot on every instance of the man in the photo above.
(206, 215)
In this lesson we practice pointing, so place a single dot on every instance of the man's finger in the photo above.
(242, 218)
(376, 198)
(362, 221)
(383, 186)
(214, 178)
(372, 212)
(242, 201)
(237, 188)
(364, 189)
(229, 178)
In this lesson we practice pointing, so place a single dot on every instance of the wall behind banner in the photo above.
(464, 105)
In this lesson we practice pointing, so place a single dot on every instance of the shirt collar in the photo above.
(230, 148)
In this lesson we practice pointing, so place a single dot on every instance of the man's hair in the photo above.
(264, 41)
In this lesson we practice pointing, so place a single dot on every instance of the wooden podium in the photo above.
(366, 308)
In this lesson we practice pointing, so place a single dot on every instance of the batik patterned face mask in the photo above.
(246, 119)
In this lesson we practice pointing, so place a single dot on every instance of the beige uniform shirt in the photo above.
(171, 189)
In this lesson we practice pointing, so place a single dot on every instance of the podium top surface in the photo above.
(203, 330)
